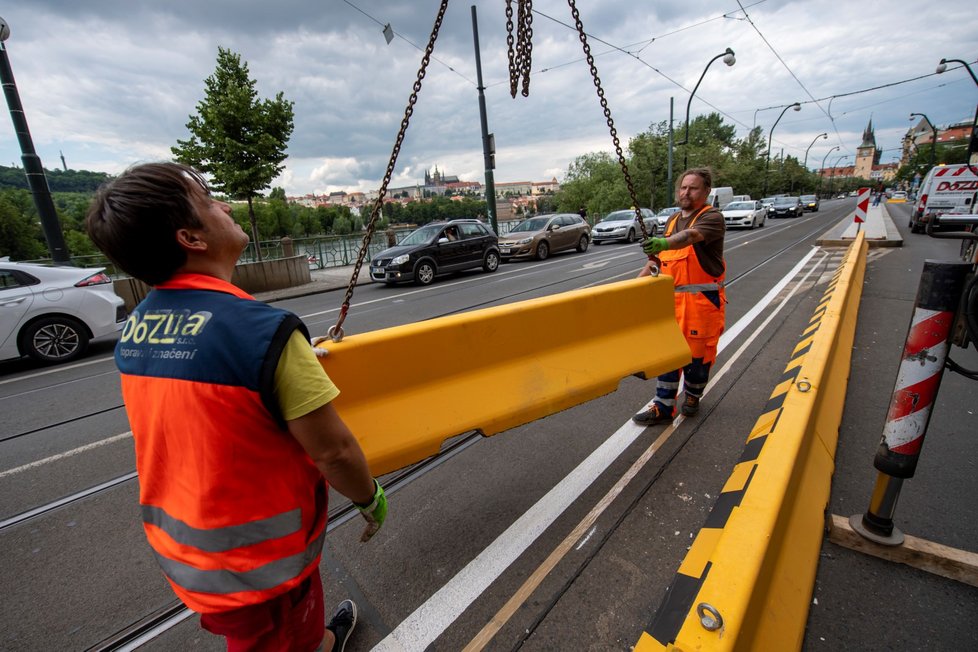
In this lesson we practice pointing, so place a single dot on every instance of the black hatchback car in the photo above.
(786, 207)
(435, 249)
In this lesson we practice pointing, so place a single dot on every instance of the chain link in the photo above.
(607, 115)
(520, 58)
(335, 332)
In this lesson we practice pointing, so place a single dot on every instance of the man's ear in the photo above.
(190, 240)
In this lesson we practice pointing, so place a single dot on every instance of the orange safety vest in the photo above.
(697, 314)
(233, 507)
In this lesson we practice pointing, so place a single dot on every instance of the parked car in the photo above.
(810, 203)
(745, 213)
(540, 236)
(623, 226)
(768, 202)
(787, 207)
(662, 217)
(435, 249)
(897, 197)
(52, 313)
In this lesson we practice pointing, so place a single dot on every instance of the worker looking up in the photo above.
(232, 418)
(692, 253)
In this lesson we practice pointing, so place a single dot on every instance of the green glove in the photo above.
(653, 246)
(373, 513)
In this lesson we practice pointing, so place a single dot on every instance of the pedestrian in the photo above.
(583, 213)
(232, 417)
(691, 251)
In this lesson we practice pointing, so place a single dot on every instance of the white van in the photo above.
(720, 197)
(945, 189)
(741, 198)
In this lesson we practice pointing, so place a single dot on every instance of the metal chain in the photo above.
(607, 115)
(520, 58)
(335, 332)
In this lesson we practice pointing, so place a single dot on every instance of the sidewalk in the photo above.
(323, 280)
(879, 228)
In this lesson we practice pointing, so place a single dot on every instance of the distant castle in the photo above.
(437, 179)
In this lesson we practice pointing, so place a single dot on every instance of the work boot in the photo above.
(652, 416)
(691, 405)
(342, 622)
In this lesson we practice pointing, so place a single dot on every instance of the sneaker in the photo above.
(655, 414)
(691, 405)
(342, 622)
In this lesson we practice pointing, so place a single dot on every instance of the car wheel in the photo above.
(583, 243)
(543, 250)
(631, 236)
(491, 261)
(424, 272)
(753, 223)
(54, 339)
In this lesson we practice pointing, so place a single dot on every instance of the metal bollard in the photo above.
(917, 383)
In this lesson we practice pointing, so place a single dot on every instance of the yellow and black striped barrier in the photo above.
(748, 578)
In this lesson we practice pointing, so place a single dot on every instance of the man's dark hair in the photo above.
(134, 218)
(706, 174)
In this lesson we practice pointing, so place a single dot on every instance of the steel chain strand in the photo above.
(335, 332)
(607, 115)
(513, 81)
(526, 26)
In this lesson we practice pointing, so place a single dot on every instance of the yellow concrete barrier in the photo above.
(407, 389)
(748, 578)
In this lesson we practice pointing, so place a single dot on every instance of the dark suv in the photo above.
(437, 248)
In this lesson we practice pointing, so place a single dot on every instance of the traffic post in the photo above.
(862, 205)
(917, 383)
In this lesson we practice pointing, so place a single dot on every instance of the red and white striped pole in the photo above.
(917, 383)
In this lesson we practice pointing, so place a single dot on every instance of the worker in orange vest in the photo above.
(691, 251)
(232, 418)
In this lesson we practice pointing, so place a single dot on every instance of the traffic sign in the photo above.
(862, 205)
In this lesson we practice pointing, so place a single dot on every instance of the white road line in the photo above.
(66, 454)
(436, 614)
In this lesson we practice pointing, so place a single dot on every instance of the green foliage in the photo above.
(58, 180)
(20, 233)
(235, 138)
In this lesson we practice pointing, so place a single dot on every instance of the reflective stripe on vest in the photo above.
(699, 287)
(222, 581)
(224, 538)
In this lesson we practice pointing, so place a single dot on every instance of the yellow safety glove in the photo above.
(373, 512)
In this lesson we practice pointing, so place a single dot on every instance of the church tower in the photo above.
(866, 154)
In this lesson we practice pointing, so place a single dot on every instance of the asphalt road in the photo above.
(498, 533)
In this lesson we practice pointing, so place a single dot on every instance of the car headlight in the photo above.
(525, 241)
(400, 260)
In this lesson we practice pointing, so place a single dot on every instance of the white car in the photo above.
(745, 213)
(623, 226)
(51, 313)
(662, 217)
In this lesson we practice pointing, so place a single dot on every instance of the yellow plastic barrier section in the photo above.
(407, 389)
(748, 578)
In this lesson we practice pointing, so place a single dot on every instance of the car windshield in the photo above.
(808, 198)
(666, 212)
(768, 200)
(618, 216)
(534, 224)
(422, 235)
(740, 206)
(785, 201)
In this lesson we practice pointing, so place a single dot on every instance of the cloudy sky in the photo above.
(109, 83)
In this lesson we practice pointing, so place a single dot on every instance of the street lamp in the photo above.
(797, 107)
(38, 183)
(942, 66)
(821, 169)
(834, 166)
(933, 134)
(729, 59)
(824, 137)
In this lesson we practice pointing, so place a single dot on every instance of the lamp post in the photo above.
(797, 107)
(834, 166)
(38, 183)
(933, 135)
(942, 66)
(805, 165)
(821, 169)
(488, 140)
(729, 59)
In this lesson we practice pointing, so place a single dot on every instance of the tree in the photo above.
(235, 138)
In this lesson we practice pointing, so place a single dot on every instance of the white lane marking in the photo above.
(438, 612)
(66, 454)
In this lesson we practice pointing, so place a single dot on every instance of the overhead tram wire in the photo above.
(410, 42)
